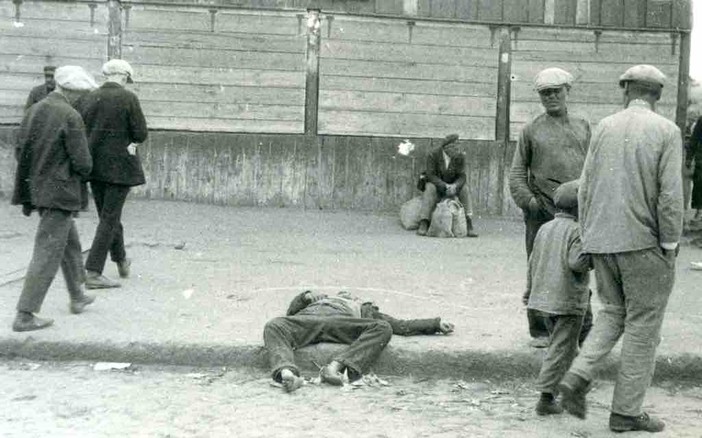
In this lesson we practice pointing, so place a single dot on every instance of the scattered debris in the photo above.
(107, 366)
(180, 245)
(187, 293)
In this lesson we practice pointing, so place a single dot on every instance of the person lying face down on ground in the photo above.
(314, 317)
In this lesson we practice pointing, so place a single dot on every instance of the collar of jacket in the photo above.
(564, 215)
(55, 95)
(639, 103)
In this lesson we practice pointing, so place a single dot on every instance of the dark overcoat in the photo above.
(52, 154)
(113, 119)
(440, 175)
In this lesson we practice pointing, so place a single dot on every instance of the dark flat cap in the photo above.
(451, 138)
(49, 69)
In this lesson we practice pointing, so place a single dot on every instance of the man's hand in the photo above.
(450, 190)
(131, 149)
(525, 298)
(27, 209)
(446, 327)
(534, 206)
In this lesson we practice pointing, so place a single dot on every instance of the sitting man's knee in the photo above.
(274, 324)
(385, 328)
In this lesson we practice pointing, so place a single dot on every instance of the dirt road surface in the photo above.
(42, 399)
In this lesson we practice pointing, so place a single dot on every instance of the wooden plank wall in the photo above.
(48, 33)
(394, 78)
(596, 66)
(232, 71)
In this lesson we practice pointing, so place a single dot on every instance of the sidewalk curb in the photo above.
(466, 364)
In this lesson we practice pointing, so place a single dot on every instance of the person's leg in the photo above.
(430, 197)
(647, 278)
(118, 197)
(74, 273)
(466, 199)
(587, 322)
(602, 338)
(109, 199)
(367, 339)
(562, 349)
(537, 327)
(49, 245)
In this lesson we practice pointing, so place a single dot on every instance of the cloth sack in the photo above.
(409, 213)
(448, 220)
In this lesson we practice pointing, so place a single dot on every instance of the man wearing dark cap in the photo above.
(115, 125)
(445, 177)
(53, 162)
(41, 91)
(631, 219)
(551, 151)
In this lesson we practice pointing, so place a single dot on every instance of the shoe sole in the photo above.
(101, 286)
(33, 328)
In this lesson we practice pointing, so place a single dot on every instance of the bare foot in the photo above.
(290, 380)
(331, 373)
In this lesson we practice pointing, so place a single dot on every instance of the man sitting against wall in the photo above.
(445, 177)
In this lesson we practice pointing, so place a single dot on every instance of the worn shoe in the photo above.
(548, 407)
(573, 389)
(331, 377)
(123, 268)
(28, 322)
(644, 422)
(98, 281)
(423, 228)
(78, 306)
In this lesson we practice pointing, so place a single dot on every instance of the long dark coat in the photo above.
(113, 119)
(52, 156)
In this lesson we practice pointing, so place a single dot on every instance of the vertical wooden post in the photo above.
(683, 81)
(504, 90)
(312, 72)
(114, 29)
(582, 12)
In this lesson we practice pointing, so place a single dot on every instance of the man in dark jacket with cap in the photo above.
(445, 177)
(115, 125)
(41, 91)
(53, 161)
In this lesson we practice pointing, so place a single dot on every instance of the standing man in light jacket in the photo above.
(53, 161)
(551, 151)
(631, 218)
(115, 125)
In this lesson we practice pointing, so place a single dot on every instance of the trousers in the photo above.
(634, 288)
(366, 339)
(55, 244)
(564, 331)
(430, 197)
(109, 235)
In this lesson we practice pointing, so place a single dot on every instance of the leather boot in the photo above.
(573, 389)
(469, 222)
(423, 227)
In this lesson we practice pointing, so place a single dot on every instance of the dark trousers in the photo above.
(56, 244)
(366, 339)
(564, 333)
(109, 236)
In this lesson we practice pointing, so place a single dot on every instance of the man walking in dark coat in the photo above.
(115, 125)
(41, 91)
(53, 161)
(342, 319)
(445, 177)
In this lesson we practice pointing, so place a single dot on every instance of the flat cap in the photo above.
(643, 73)
(49, 69)
(118, 66)
(451, 138)
(566, 195)
(73, 77)
(553, 77)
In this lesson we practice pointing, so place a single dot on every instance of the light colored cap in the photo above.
(566, 195)
(552, 78)
(118, 67)
(73, 77)
(643, 73)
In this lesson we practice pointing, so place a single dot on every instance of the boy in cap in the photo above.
(115, 125)
(445, 177)
(551, 151)
(631, 220)
(53, 162)
(557, 288)
(41, 91)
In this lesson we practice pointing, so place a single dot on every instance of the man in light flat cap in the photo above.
(551, 151)
(445, 177)
(631, 217)
(115, 125)
(41, 91)
(53, 162)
